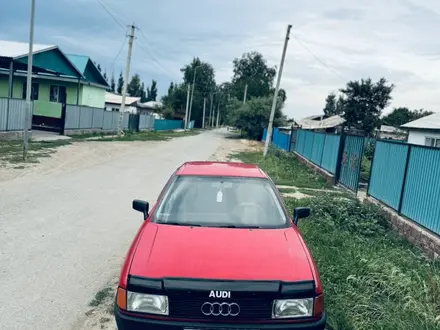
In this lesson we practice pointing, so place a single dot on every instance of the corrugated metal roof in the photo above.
(117, 99)
(151, 105)
(17, 49)
(391, 129)
(307, 123)
(80, 61)
(428, 122)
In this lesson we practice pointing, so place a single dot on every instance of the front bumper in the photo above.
(126, 322)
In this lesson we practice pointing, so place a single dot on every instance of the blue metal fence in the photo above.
(350, 169)
(167, 125)
(321, 149)
(407, 178)
(279, 139)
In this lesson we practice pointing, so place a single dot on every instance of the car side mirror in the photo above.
(299, 213)
(141, 206)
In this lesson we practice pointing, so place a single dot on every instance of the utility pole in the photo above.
(210, 111)
(275, 97)
(28, 112)
(204, 110)
(127, 74)
(192, 92)
(218, 114)
(187, 106)
(245, 93)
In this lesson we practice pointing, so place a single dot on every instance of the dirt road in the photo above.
(66, 225)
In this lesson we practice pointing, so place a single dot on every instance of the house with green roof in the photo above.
(57, 79)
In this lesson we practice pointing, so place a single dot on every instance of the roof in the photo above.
(428, 122)
(309, 123)
(221, 169)
(15, 49)
(391, 129)
(117, 99)
(151, 105)
(80, 61)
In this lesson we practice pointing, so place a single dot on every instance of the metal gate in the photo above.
(351, 159)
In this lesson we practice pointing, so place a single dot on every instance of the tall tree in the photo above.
(340, 103)
(364, 102)
(400, 116)
(330, 108)
(120, 83)
(113, 84)
(252, 69)
(170, 89)
(205, 85)
(176, 99)
(134, 86)
(152, 91)
(143, 93)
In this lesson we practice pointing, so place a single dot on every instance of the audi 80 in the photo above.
(219, 251)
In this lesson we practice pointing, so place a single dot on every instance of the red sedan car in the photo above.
(219, 251)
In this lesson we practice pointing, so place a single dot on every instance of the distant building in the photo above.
(391, 133)
(323, 123)
(424, 131)
(113, 102)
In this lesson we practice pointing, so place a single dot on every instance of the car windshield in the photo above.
(210, 201)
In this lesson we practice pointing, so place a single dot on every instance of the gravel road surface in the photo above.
(64, 231)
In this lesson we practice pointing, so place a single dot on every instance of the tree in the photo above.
(402, 115)
(340, 105)
(152, 91)
(134, 87)
(170, 89)
(364, 102)
(205, 85)
(113, 83)
(120, 83)
(176, 99)
(334, 106)
(252, 69)
(253, 116)
(143, 93)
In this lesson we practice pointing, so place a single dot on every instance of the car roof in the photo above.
(205, 168)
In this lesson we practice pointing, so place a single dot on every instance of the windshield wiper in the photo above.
(180, 224)
(235, 226)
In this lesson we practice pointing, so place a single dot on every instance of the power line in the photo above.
(319, 60)
(119, 53)
(153, 56)
(112, 16)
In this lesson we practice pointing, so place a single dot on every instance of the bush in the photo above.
(372, 278)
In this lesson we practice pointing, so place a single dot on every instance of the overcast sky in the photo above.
(397, 39)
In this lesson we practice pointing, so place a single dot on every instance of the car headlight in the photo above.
(147, 303)
(292, 308)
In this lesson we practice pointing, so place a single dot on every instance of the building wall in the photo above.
(419, 136)
(4, 85)
(111, 106)
(92, 96)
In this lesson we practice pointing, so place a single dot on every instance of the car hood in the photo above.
(220, 253)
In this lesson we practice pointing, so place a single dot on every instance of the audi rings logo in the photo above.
(223, 309)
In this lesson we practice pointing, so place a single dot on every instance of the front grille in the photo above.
(190, 307)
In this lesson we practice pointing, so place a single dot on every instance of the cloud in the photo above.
(351, 39)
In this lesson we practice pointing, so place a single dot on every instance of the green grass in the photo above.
(372, 278)
(12, 151)
(285, 169)
(141, 136)
(101, 296)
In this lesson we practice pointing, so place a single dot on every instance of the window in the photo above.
(34, 91)
(210, 201)
(432, 142)
(57, 94)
